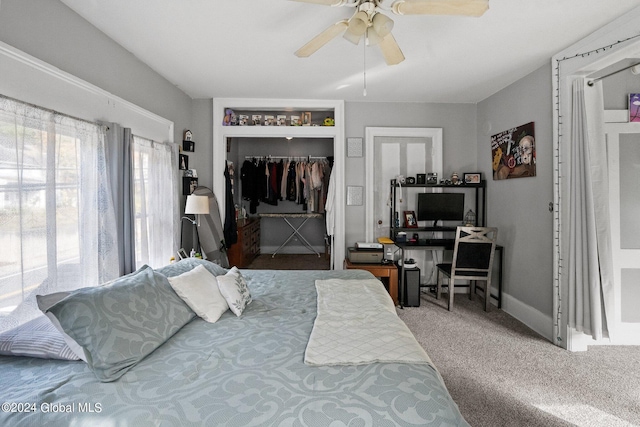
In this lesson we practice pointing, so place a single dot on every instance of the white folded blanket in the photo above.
(357, 324)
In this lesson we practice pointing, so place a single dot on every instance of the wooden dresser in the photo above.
(247, 247)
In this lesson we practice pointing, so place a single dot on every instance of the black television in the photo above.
(440, 207)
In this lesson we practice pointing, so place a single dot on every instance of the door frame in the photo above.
(611, 43)
(625, 333)
(370, 135)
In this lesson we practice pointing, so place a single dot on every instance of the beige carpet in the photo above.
(503, 374)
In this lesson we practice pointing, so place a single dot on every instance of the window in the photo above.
(57, 224)
(155, 193)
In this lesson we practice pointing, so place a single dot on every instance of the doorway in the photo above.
(623, 158)
(393, 152)
(615, 42)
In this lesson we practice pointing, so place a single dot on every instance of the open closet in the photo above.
(280, 174)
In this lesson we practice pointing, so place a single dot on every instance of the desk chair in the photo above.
(472, 260)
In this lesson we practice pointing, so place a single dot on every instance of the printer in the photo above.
(366, 253)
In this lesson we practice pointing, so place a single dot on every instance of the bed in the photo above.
(246, 370)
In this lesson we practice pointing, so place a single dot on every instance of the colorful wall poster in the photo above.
(514, 153)
(634, 107)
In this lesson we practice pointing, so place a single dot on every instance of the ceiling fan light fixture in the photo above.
(353, 38)
(358, 23)
(382, 24)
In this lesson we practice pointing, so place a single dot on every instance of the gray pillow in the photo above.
(119, 324)
(36, 338)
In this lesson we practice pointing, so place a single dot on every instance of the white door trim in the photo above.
(370, 134)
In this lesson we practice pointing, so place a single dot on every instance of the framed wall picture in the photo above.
(354, 147)
(634, 107)
(189, 146)
(513, 152)
(183, 162)
(472, 178)
(410, 220)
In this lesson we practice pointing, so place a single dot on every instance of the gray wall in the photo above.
(616, 90)
(53, 33)
(520, 207)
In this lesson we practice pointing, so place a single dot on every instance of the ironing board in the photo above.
(296, 230)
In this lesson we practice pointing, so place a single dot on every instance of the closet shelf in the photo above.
(279, 131)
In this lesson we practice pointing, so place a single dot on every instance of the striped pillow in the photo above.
(36, 338)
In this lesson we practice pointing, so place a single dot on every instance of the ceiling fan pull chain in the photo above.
(364, 67)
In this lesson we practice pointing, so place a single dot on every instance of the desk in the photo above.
(296, 230)
(384, 271)
(447, 244)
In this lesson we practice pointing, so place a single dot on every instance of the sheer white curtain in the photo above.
(155, 194)
(57, 224)
(590, 264)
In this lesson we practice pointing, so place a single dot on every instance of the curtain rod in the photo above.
(591, 82)
(53, 111)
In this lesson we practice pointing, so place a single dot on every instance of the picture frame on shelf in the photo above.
(306, 118)
(189, 184)
(472, 178)
(182, 254)
(281, 120)
(188, 146)
(295, 120)
(410, 220)
(183, 162)
(269, 120)
(256, 119)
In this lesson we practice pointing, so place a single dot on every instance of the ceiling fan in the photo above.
(370, 24)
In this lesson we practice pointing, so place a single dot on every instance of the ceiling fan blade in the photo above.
(390, 50)
(323, 2)
(441, 7)
(321, 39)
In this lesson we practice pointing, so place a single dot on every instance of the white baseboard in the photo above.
(626, 334)
(534, 319)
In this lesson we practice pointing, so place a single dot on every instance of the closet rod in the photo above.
(287, 157)
(591, 82)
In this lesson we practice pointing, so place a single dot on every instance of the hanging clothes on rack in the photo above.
(250, 180)
(300, 180)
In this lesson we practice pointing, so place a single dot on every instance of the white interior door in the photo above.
(391, 152)
(623, 155)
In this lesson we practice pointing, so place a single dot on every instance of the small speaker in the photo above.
(411, 180)
(421, 178)
(411, 287)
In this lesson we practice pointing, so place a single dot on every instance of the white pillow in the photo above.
(199, 290)
(234, 289)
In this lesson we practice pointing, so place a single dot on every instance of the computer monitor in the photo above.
(440, 207)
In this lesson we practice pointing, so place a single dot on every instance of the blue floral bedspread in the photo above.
(239, 371)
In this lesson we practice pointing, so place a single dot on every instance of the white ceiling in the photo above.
(244, 48)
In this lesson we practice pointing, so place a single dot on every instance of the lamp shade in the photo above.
(197, 205)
